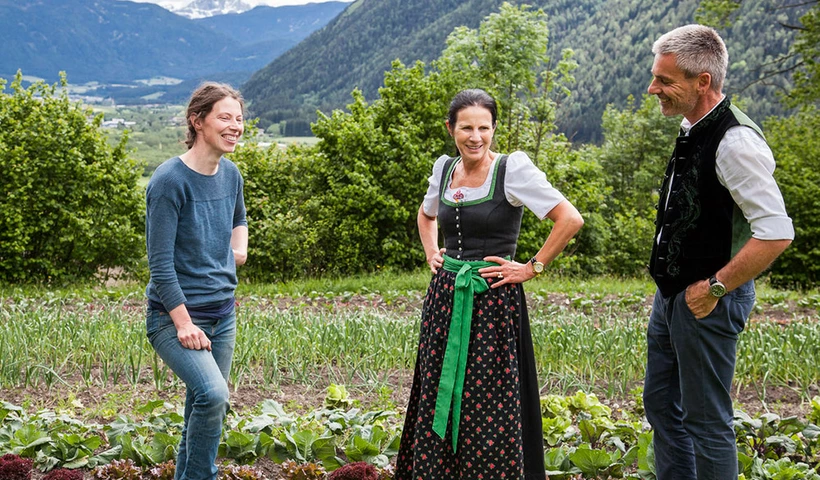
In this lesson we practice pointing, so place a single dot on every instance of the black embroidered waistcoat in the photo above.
(478, 228)
(698, 227)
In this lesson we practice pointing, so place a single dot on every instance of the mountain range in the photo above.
(112, 41)
(611, 40)
(291, 61)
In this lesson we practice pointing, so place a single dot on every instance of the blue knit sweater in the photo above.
(189, 221)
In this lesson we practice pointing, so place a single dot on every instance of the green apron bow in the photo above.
(451, 384)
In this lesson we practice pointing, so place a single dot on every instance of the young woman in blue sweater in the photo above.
(197, 234)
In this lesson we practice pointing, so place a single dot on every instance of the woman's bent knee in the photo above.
(213, 397)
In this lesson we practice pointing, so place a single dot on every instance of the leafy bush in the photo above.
(796, 146)
(13, 467)
(581, 181)
(284, 235)
(64, 474)
(637, 143)
(371, 177)
(71, 205)
(349, 204)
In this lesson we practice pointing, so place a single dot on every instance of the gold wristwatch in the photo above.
(537, 266)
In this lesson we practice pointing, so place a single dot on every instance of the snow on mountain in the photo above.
(209, 8)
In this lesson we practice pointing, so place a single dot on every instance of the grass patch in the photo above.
(361, 330)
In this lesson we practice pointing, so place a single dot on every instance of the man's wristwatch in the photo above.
(716, 288)
(537, 266)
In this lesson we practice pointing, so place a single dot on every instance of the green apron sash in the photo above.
(451, 384)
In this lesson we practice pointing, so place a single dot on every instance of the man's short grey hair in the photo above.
(697, 49)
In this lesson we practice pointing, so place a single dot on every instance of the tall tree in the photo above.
(358, 196)
(803, 57)
(507, 56)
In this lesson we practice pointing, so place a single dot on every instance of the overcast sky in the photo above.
(272, 3)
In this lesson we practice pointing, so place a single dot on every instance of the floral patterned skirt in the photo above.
(500, 434)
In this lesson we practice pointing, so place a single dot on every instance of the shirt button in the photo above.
(459, 240)
(458, 226)
(456, 217)
(459, 249)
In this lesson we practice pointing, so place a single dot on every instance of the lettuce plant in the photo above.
(64, 474)
(305, 471)
(118, 470)
(355, 471)
(14, 467)
(163, 471)
(240, 472)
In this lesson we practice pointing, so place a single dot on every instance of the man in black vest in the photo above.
(721, 221)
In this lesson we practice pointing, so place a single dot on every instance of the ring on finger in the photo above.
(500, 275)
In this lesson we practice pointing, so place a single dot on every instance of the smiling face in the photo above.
(220, 130)
(678, 94)
(473, 133)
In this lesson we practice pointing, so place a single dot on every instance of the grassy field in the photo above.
(362, 332)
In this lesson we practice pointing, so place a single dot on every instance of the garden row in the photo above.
(591, 342)
(582, 437)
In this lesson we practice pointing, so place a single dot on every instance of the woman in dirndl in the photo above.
(474, 409)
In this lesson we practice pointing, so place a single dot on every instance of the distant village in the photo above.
(122, 123)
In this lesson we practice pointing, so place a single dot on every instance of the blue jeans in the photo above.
(687, 391)
(206, 377)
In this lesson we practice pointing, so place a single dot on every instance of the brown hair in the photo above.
(474, 97)
(202, 102)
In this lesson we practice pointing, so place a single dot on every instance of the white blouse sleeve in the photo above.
(526, 185)
(744, 165)
(430, 203)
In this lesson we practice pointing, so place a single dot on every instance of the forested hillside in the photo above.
(354, 50)
(611, 39)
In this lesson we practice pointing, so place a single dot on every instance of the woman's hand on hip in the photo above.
(506, 272)
(436, 260)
